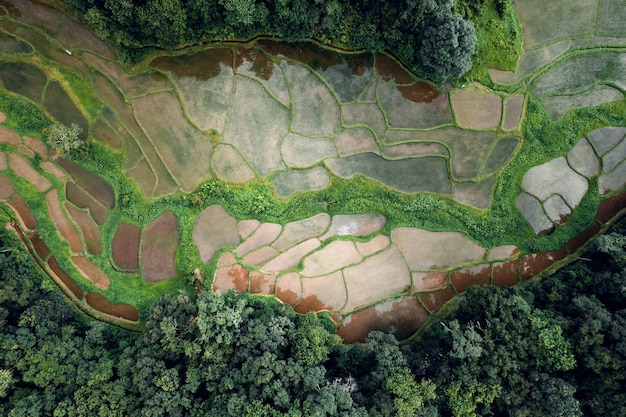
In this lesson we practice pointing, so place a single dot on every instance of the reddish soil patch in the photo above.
(462, 279)
(262, 283)
(610, 207)
(231, 278)
(65, 280)
(40, 247)
(534, 263)
(37, 146)
(103, 133)
(82, 200)
(390, 70)
(64, 227)
(6, 188)
(577, 242)
(262, 66)
(289, 288)
(118, 311)
(23, 168)
(420, 92)
(90, 182)
(427, 281)
(125, 247)
(91, 233)
(435, 300)
(29, 153)
(158, 249)
(26, 216)
(90, 271)
(202, 65)
(505, 274)
(9, 137)
(310, 303)
(401, 318)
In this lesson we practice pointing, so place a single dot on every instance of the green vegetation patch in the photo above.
(59, 104)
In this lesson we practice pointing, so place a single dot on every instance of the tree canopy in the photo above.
(426, 35)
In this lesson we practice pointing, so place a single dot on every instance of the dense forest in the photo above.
(434, 38)
(551, 348)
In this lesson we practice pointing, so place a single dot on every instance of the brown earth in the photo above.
(24, 214)
(90, 271)
(63, 279)
(118, 311)
(125, 247)
(158, 248)
(40, 247)
(90, 182)
(91, 232)
(433, 301)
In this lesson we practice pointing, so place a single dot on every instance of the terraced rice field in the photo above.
(298, 121)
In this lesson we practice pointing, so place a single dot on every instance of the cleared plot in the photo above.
(401, 317)
(288, 183)
(529, 62)
(390, 71)
(90, 182)
(331, 258)
(82, 200)
(501, 153)
(583, 159)
(300, 230)
(406, 150)
(131, 85)
(355, 225)
(213, 229)
(256, 125)
(558, 106)
(611, 18)
(513, 107)
(355, 140)
(475, 194)
(545, 22)
(10, 45)
(464, 278)
(476, 110)
(63, 225)
(347, 84)
(185, 151)
(103, 133)
(9, 137)
(614, 157)
(367, 114)
(433, 301)
(613, 180)
(411, 175)
(325, 293)
(555, 177)
(158, 248)
(6, 188)
(204, 82)
(90, 271)
(404, 113)
(469, 150)
(533, 213)
(143, 174)
(580, 72)
(64, 279)
(23, 79)
(24, 213)
(119, 311)
(424, 250)
(229, 166)
(60, 105)
(381, 276)
(89, 229)
(23, 168)
(315, 109)
(125, 247)
(605, 138)
(257, 65)
(302, 152)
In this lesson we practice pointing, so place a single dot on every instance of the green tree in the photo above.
(445, 46)
(65, 138)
